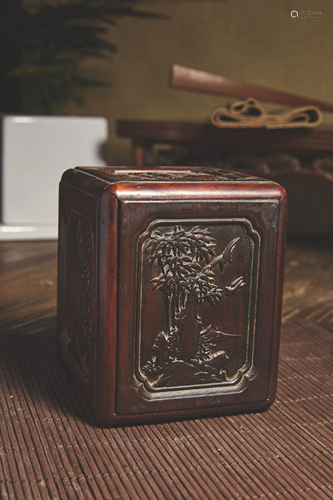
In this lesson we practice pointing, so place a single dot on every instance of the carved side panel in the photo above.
(79, 270)
(197, 292)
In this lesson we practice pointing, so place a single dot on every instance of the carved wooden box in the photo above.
(170, 288)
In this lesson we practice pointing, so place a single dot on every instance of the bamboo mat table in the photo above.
(52, 446)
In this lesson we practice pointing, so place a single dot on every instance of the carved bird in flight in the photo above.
(235, 286)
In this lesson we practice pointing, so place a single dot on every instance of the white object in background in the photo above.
(36, 150)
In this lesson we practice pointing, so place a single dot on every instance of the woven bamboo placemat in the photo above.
(53, 447)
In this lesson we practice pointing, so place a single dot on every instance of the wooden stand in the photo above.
(301, 160)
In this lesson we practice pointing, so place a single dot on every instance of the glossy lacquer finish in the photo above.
(170, 286)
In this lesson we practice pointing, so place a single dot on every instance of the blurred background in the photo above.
(112, 58)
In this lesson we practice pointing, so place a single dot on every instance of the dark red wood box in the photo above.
(170, 289)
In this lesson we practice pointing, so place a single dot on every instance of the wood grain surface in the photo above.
(28, 286)
(53, 447)
(308, 280)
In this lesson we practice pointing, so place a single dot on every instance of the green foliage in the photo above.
(55, 37)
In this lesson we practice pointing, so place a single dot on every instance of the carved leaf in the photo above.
(202, 243)
(205, 287)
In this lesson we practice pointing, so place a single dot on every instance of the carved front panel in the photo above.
(196, 303)
(79, 271)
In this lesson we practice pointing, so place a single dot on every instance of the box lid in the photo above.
(169, 174)
(184, 182)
